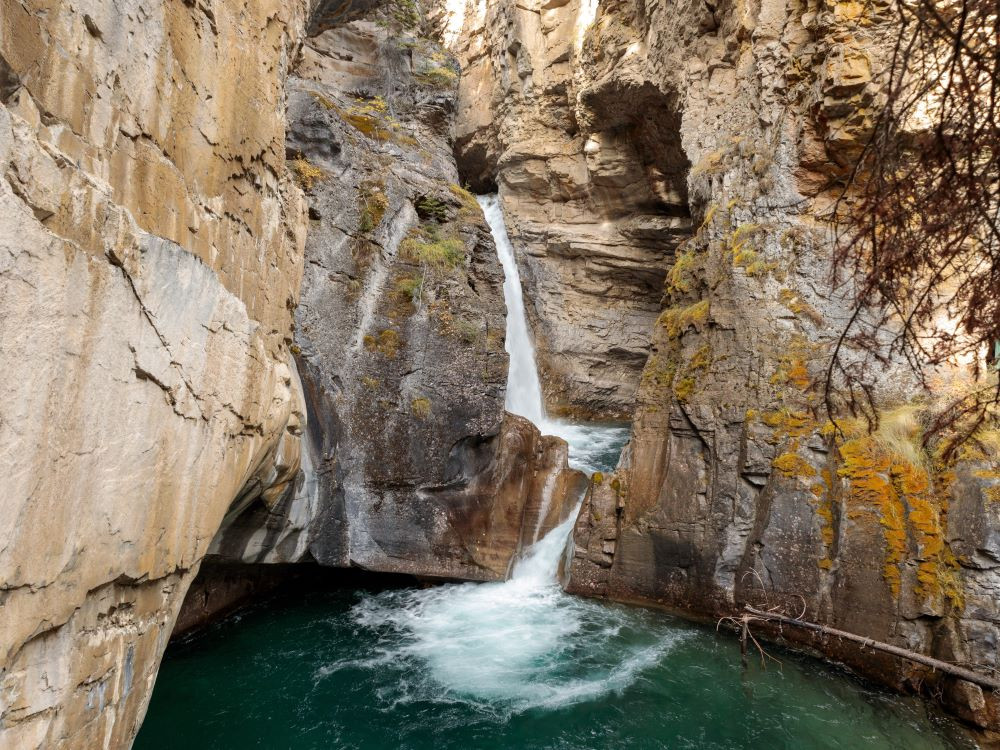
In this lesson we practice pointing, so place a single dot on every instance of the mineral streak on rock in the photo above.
(410, 465)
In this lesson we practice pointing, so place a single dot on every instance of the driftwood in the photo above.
(936, 664)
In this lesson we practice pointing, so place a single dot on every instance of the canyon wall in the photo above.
(411, 465)
(736, 488)
(592, 178)
(150, 257)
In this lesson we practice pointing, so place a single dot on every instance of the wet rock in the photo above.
(411, 465)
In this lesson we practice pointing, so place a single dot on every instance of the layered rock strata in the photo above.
(150, 257)
(591, 173)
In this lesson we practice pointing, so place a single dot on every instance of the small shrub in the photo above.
(429, 246)
(467, 331)
(437, 76)
(421, 407)
(373, 207)
(304, 172)
(430, 208)
(410, 288)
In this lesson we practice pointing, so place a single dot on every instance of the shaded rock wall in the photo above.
(411, 465)
(150, 257)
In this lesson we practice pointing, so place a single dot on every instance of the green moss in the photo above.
(369, 382)
(409, 288)
(433, 247)
(597, 477)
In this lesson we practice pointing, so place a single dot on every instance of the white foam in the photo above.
(512, 646)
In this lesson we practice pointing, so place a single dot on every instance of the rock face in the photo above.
(592, 177)
(151, 252)
(736, 488)
(411, 466)
(150, 256)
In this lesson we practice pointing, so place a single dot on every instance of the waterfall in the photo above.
(524, 390)
(591, 447)
(520, 644)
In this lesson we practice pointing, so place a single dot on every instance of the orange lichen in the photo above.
(793, 465)
(788, 423)
(909, 500)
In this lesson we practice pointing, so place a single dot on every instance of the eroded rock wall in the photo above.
(150, 258)
(411, 465)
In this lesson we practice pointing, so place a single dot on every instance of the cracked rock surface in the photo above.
(150, 254)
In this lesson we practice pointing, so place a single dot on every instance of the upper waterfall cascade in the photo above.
(591, 446)
(524, 389)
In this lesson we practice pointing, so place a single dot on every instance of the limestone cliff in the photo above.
(150, 257)
(151, 254)
(598, 117)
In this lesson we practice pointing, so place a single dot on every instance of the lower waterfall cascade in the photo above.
(512, 664)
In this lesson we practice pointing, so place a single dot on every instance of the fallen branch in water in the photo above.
(936, 664)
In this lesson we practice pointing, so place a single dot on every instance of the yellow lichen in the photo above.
(795, 304)
(305, 173)
(387, 343)
(684, 387)
(701, 359)
(793, 465)
(659, 372)
(681, 275)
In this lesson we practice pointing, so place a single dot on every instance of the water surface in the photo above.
(405, 669)
(516, 665)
